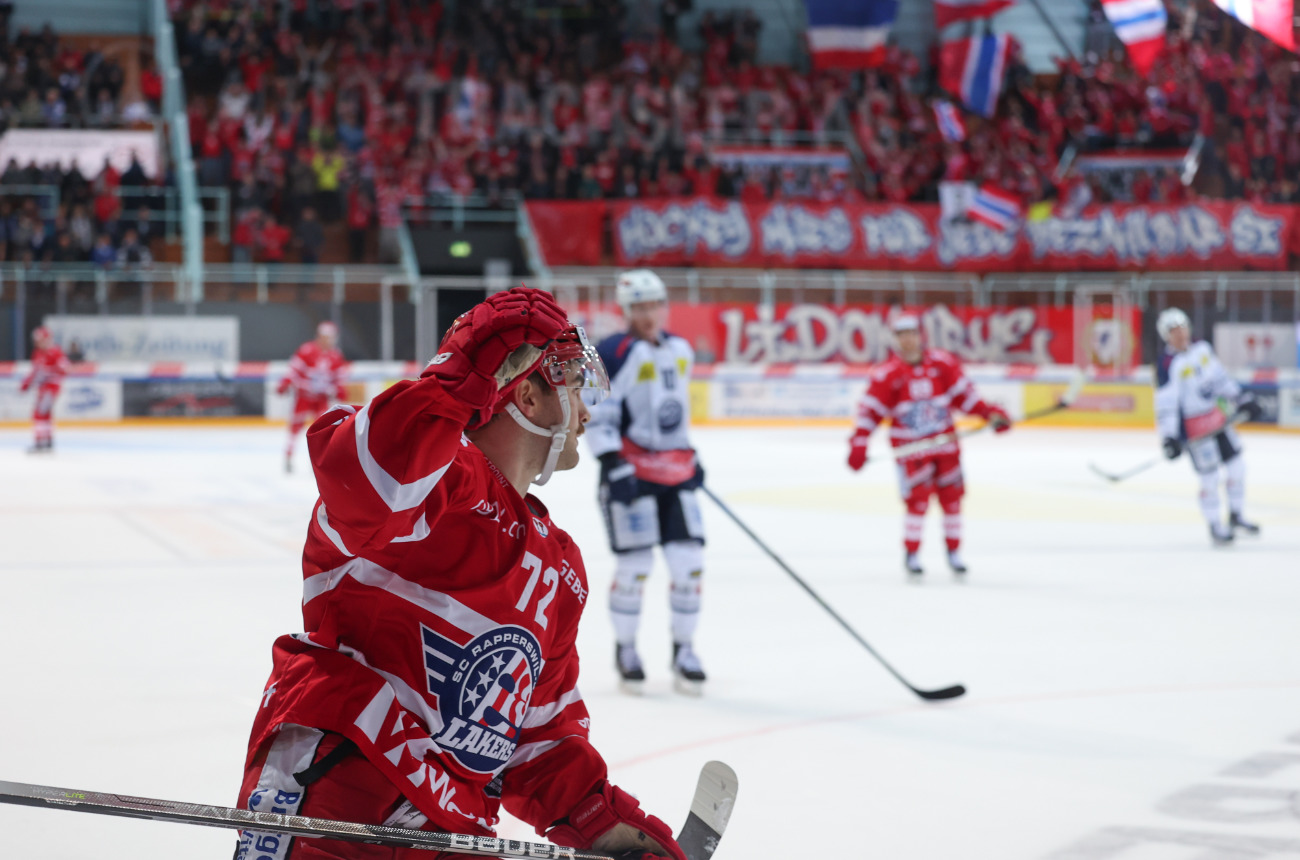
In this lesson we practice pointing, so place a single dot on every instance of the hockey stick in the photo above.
(920, 446)
(715, 795)
(1115, 477)
(930, 695)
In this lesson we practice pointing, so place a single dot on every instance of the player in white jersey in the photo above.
(1196, 400)
(649, 474)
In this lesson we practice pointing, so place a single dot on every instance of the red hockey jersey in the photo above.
(317, 372)
(49, 366)
(441, 610)
(918, 399)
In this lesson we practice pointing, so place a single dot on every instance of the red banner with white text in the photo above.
(860, 334)
(707, 231)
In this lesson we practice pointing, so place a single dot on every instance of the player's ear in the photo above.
(529, 396)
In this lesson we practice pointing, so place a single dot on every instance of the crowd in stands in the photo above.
(109, 221)
(47, 84)
(338, 111)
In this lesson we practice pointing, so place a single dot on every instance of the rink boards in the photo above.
(720, 393)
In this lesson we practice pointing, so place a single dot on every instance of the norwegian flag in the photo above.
(973, 69)
(1140, 25)
(949, 11)
(995, 207)
(1273, 18)
(849, 35)
(951, 125)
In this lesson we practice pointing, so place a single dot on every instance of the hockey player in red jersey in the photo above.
(316, 374)
(49, 366)
(437, 677)
(917, 389)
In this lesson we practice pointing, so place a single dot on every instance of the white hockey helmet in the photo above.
(1170, 319)
(905, 322)
(639, 285)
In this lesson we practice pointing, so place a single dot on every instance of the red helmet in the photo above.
(568, 361)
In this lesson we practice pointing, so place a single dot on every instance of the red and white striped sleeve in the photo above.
(300, 366)
(377, 467)
(873, 404)
(961, 391)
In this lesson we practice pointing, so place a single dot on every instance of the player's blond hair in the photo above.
(516, 363)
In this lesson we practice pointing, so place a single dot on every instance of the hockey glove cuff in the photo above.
(857, 452)
(620, 476)
(1172, 448)
(1250, 407)
(482, 338)
(612, 820)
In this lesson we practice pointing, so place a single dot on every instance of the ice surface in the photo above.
(1118, 666)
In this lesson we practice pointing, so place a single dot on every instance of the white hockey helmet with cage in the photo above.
(1170, 319)
(638, 285)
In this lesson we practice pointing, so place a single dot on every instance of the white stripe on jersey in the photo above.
(330, 532)
(368, 573)
(527, 752)
(398, 496)
(540, 716)
(405, 694)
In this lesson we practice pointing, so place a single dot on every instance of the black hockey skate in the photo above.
(1220, 535)
(912, 564)
(1241, 525)
(688, 674)
(631, 674)
(957, 564)
(44, 446)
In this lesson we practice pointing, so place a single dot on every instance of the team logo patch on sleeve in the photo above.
(483, 689)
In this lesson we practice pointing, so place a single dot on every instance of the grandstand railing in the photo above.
(182, 154)
(394, 295)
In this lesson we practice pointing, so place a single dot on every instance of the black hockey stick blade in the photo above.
(946, 693)
(125, 806)
(1116, 477)
(715, 797)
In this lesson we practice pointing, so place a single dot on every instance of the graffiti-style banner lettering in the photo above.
(714, 232)
(860, 334)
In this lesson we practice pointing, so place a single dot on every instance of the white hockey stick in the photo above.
(920, 446)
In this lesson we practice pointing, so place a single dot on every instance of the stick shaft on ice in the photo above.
(126, 806)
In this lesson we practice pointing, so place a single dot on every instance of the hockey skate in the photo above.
(688, 675)
(957, 564)
(631, 674)
(288, 464)
(1220, 535)
(44, 446)
(912, 564)
(1237, 523)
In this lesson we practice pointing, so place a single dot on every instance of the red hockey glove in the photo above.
(23, 388)
(484, 336)
(341, 393)
(998, 417)
(283, 386)
(611, 820)
(857, 452)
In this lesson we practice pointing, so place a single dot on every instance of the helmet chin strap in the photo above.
(559, 434)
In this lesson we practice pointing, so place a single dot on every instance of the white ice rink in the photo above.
(1133, 693)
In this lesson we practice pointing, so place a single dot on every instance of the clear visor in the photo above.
(584, 372)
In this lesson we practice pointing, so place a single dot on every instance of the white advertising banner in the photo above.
(86, 149)
(1253, 345)
(80, 399)
(149, 339)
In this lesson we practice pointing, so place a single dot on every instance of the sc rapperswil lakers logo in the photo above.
(483, 689)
